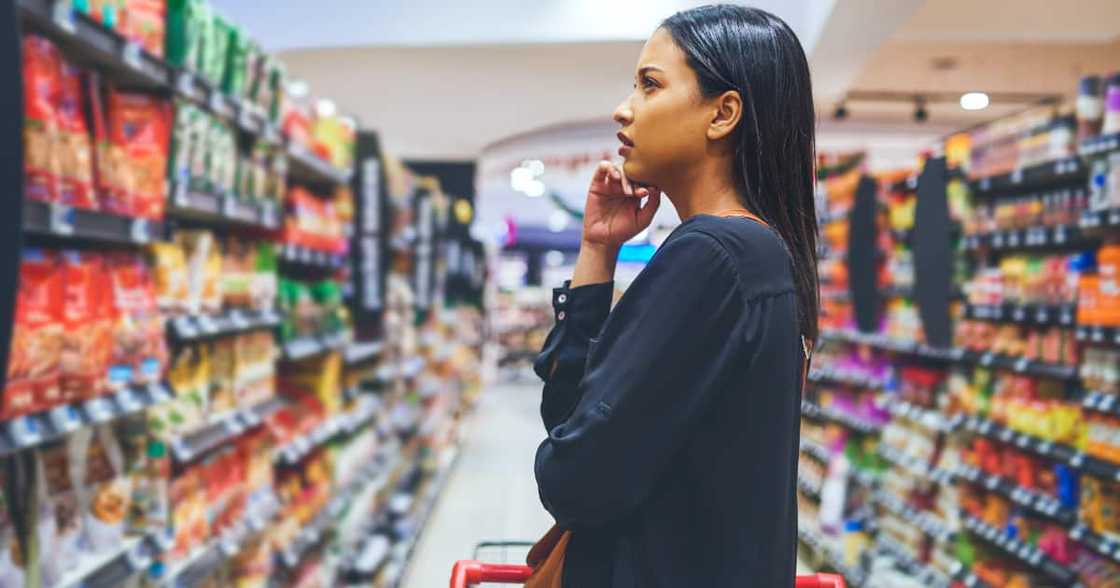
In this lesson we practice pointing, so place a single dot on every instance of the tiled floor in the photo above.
(491, 495)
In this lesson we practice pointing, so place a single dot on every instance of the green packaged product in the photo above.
(233, 83)
(184, 32)
(179, 161)
(218, 50)
(205, 24)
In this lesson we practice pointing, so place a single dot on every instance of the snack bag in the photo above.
(74, 151)
(139, 142)
(36, 348)
(41, 83)
(58, 470)
(85, 332)
(139, 349)
(107, 492)
(143, 23)
(170, 274)
(224, 363)
(183, 33)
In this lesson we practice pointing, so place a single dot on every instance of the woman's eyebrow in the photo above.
(648, 68)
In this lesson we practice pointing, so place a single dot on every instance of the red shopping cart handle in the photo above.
(471, 573)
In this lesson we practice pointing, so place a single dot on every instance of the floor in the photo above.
(491, 495)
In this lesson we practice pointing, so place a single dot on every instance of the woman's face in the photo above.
(665, 119)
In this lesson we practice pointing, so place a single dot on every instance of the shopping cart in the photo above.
(471, 572)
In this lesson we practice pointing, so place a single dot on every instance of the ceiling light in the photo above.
(519, 178)
(974, 101)
(534, 188)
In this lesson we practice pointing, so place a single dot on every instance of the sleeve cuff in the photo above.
(580, 314)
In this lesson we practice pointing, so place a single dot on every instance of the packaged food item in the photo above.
(224, 365)
(37, 337)
(58, 468)
(139, 348)
(170, 274)
(87, 328)
(204, 270)
(75, 153)
(143, 23)
(41, 83)
(184, 33)
(189, 378)
(1090, 107)
(107, 492)
(140, 127)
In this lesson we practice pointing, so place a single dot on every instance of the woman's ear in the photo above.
(728, 113)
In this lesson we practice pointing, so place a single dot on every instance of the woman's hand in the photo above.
(614, 213)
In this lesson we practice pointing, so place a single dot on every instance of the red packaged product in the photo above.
(87, 329)
(132, 134)
(41, 81)
(75, 154)
(139, 351)
(33, 360)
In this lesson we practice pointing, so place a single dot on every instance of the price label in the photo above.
(207, 325)
(99, 410)
(997, 241)
(1005, 435)
(1018, 314)
(986, 359)
(1013, 239)
(229, 207)
(61, 220)
(159, 393)
(985, 427)
(1042, 316)
(1066, 317)
(1106, 402)
(1060, 235)
(1077, 460)
(185, 328)
(268, 214)
(1114, 217)
(217, 103)
(1098, 335)
(1022, 364)
(65, 418)
(997, 313)
(1017, 176)
(141, 231)
(1077, 533)
(128, 401)
(1044, 447)
(1022, 441)
(130, 55)
(985, 184)
(179, 196)
(246, 120)
(63, 16)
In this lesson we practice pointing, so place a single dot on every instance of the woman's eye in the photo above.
(648, 82)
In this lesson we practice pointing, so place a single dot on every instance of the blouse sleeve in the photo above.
(664, 353)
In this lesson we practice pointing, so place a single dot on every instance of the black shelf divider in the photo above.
(1041, 237)
(1101, 145)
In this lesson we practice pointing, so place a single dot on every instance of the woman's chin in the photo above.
(633, 171)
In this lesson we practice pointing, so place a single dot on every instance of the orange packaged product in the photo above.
(1088, 300)
(36, 347)
(132, 133)
(75, 153)
(41, 81)
(144, 22)
(139, 351)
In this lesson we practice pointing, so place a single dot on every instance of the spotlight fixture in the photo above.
(841, 112)
(921, 115)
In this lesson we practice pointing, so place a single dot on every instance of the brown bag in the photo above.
(546, 557)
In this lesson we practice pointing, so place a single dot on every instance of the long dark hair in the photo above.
(754, 52)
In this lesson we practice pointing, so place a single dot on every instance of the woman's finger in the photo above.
(627, 188)
(602, 173)
(647, 212)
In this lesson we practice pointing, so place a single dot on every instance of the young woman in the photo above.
(673, 419)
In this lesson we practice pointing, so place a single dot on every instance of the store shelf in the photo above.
(36, 429)
(926, 522)
(1102, 402)
(818, 451)
(1065, 171)
(310, 346)
(1098, 335)
(303, 165)
(113, 568)
(249, 117)
(90, 43)
(58, 221)
(925, 574)
(304, 257)
(197, 567)
(1101, 145)
(1098, 543)
(1054, 451)
(1039, 503)
(222, 210)
(916, 466)
(910, 184)
(1056, 237)
(812, 410)
(359, 352)
(932, 419)
(826, 374)
(294, 452)
(962, 574)
(191, 328)
(1044, 315)
(189, 446)
(880, 341)
(1021, 365)
(808, 489)
(1027, 554)
(853, 575)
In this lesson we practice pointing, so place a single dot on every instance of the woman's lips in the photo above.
(624, 151)
(627, 144)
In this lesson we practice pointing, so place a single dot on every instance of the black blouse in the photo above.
(673, 419)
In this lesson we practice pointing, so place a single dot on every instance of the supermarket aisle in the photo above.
(491, 494)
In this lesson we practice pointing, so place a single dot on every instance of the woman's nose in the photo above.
(623, 115)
